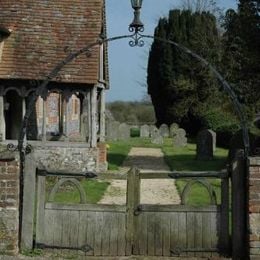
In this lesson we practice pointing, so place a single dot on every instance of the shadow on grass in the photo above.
(115, 160)
(188, 162)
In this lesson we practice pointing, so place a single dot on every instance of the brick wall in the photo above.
(102, 157)
(254, 207)
(9, 206)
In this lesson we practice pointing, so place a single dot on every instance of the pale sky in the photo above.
(127, 65)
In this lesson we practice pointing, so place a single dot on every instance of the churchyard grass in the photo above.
(94, 192)
(178, 159)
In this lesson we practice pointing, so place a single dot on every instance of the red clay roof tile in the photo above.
(42, 30)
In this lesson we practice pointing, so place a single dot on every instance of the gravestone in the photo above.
(123, 132)
(164, 130)
(112, 130)
(157, 138)
(206, 144)
(145, 131)
(153, 131)
(180, 139)
(173, 129)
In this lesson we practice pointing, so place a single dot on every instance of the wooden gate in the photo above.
(134, 228)
(182, 230)
(91, 228)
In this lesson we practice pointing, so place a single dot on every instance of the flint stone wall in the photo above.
(73, 159)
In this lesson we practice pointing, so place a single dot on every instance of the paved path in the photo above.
(157, 191)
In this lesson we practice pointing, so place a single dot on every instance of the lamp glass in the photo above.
(136, 3)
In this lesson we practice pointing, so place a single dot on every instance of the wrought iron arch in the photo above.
(135, 40)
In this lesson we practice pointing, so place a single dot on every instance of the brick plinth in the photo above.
(9, 206)
(102, 157)
(254, 207)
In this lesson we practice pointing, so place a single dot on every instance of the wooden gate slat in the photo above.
(198, 232)
(74, 228)
(150, 234)
(206, 233)
(121, 235)
(106, 235)
(183, 231)
(91, 231)
(113, 240)
(137, 234)
(49, 228)
(57, 235)
(158, 234)
(190, 232)
(174, 235)
(82, 223)
(65, 228)
(214, 229)
(166, 234)
(98, 234)
(143, 234)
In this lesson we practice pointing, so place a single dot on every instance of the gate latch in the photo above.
(138, 210)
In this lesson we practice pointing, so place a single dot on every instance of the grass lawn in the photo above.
(178, 159)
(94, 192)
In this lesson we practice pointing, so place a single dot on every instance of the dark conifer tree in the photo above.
(241, 59)
(179, 86)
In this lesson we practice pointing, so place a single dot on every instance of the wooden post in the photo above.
(23, 114)
(239, 206)
(28, 203)
(224, 235)
(88, 97)
(65, 132)
(102, 122)
(44, 108)
(133, 200)
(40, 209)
(2, 119)
(93, 101)
(61, 112)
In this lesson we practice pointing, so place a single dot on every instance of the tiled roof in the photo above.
(42, 30)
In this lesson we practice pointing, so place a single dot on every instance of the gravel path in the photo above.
(157, 191)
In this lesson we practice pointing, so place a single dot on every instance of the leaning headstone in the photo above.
(157, 138)
(173, 128)
(164, 130)
(123, 132)
(180, 139)
(206, 143)
(112, 130)
(145, 131)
